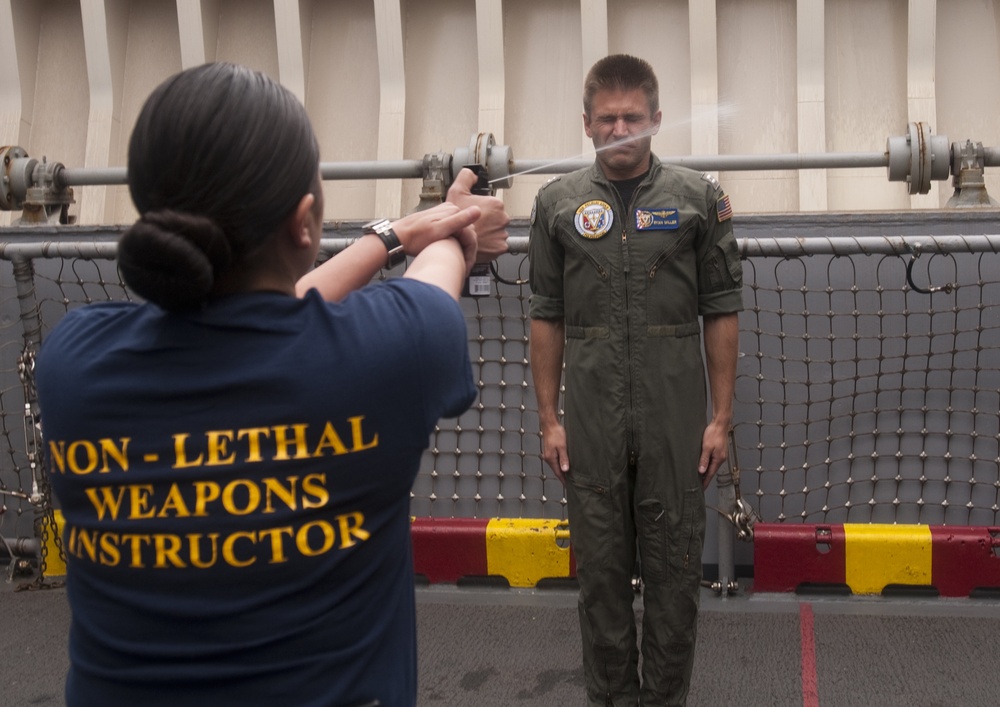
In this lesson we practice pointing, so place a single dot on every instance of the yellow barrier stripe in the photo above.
(526, 550)
(55, 566)
(880, 555)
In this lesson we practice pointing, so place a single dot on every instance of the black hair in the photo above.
(621, 71)
(219, 157)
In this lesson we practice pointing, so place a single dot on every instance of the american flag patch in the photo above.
(724, 208)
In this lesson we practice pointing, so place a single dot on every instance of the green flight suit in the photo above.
(630, 285)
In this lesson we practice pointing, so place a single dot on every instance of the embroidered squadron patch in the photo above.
(656, 220)
(724, 208)
(593, 219)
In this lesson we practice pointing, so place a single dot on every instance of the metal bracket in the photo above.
(436, 179)
(34, 188)
(968, 163)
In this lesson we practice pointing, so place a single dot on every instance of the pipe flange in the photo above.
(476, 153)
(498, 160)
(500, 166)
(920, 176)
(918, 158)
(940, 152)
(16, 170)
(898, 149)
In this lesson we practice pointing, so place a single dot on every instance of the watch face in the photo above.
(379, 225)
(395, 254)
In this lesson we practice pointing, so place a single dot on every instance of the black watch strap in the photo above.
(394, 249)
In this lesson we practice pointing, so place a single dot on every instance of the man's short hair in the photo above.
(624, 72)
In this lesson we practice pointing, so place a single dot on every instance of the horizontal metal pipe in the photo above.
(60, 249)
(869, 245)
(758, 246)
(414, 169)
(763, 246)
(403, 169)
(726, 163)
(91, 176)
(20, 547)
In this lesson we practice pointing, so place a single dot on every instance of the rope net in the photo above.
(862, 400)
(860, 397)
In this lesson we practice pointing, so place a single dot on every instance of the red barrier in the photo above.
(786, 556)
(960, 560)
(447, 549)
(965, 559)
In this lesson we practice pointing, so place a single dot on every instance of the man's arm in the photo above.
(722, 340)
(546, 351)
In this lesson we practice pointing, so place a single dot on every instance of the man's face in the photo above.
(622, 129)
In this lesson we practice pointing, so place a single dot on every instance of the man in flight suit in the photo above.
(625, 256)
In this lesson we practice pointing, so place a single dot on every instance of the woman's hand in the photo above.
(418, 230)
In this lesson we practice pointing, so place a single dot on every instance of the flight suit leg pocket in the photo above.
(687, 541)
(592, 521)
(653, 541)
(670, 544)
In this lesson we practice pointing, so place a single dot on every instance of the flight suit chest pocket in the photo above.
(662, 247)
(670, 282)
(587, 272)
(583, 253)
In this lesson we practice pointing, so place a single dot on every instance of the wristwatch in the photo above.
(382, 228)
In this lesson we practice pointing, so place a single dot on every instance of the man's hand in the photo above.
(554, 451)
(491, 228)
(714, 451)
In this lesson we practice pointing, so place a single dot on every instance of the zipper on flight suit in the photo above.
(601, 270)
(629, 378)
(663, 256)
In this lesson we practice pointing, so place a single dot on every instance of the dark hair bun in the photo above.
(171, 258)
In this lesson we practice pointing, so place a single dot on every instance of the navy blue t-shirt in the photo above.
(236, 488)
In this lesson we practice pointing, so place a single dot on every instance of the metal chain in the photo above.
(41, 492)
(744, 516)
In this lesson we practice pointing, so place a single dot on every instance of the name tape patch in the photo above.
(656, 219)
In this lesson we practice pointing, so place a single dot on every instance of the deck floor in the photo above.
(514, 647)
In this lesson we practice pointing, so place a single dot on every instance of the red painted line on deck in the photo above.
(810, 691)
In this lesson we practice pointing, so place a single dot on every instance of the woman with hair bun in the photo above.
(234, 455)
